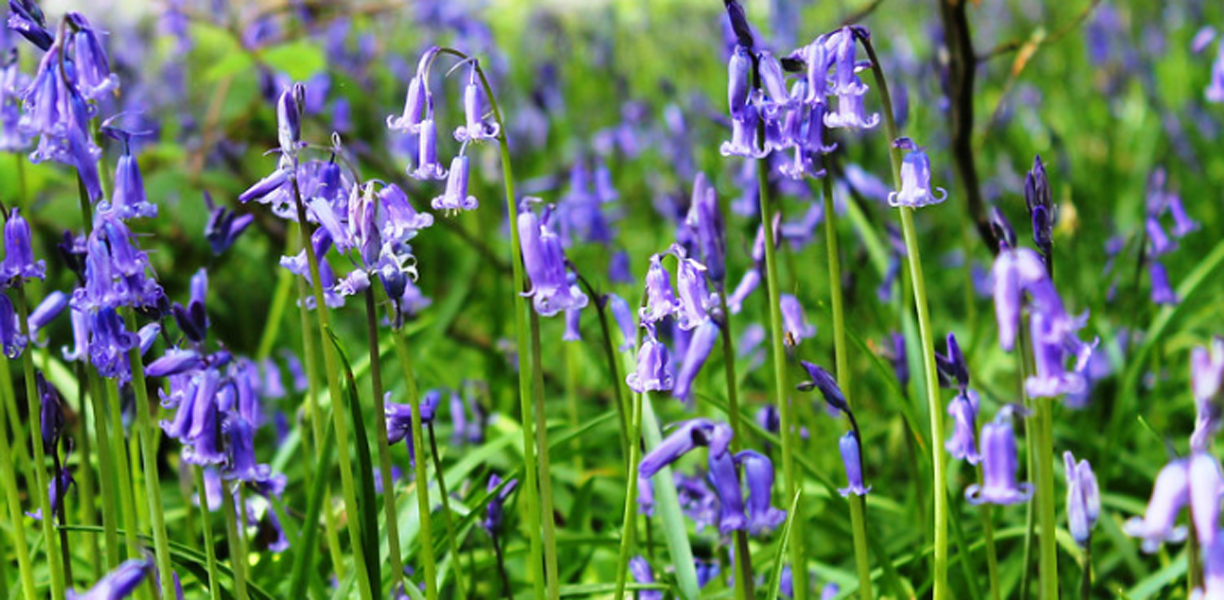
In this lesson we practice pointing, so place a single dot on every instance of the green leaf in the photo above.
(775, 580)
(298, 59)
(367, 501)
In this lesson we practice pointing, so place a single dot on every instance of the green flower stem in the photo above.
(310, 351)
(744, 584)
(992, 554)
(119, 454)
(238, 556)
(214, 579)
(34, 405)
(332, 370)
(1032, 438)
(452, 537)
(551, 573)
(611, 354)
(628, 530)
(8, 477)
(1048, 548)
(926, 338)
(108, 478)
(425, 544)
(88, 509)
(530, 490)
(667, 505)
(786, 414)
(858, 504)
(1086, 578)
(384, 449)
(148, 437)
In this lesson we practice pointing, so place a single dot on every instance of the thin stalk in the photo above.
(1086, 579)
(384, 449)
(667, 505)
(858, 504)
(531, 511)
(611, 354)
(332, 370)
(89, 509)
(992, 554)
(571, 396)
(926, 338)
(238, 558)
(61, 514)
(785, 411)
(1030, 442)
(628, 530)
(744, 583)
(16, 519)
(214, 579)
(110, 515)
(1048, 549)
(425, 545)
(34, 405)
(551, 573)
(127, 499)
(310, 350)
(501, 569)
(148, 436)
(451, 536)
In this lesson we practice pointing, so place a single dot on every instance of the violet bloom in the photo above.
(1170, 493)
(624, 320)
(1183, 224)
(822, 380)
(683, 439)
(661, 300)
(694, 358)
(46, 311)
(645, 492)
(744, 140)
(289, 121)
(118, 584)
(456, 197)
(794, 322)
(495, 510)
(1083, 499)
(1013, 271)
(642, 573)
(853, 461)
(1037, 198)
(916, 190)
(27, 20)
(1206, 486)
(1206, 380)
(963, 411)
(428, 166)
(1162, 292)
(725, 479)
(93, 73)
(739, 68)
(475, 129)
(19, 250)
(1215, 89)
(573, 329)
(696, 302)
(544, 260)
(224, 226)
(618, 268)
(705, 218)
(62, 481)
(1053, 337)
(654, 369)
(414, 106)
(952, 367)
(851, 114)
(759, 475)
(898, 359)
(399, 416)
(747, 285)
(1213, 571)
(999, 466)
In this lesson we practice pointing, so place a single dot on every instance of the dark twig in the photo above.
(961, 67)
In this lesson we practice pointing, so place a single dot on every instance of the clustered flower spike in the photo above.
(552, 290)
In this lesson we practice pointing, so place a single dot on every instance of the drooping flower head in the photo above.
(544, 260)
(821, 379)
(1170, 493)
(851, 452)
(916, 190)
(999, 465)
(19, 250)
(476, 129)
(683, 439)
(654, 368)
(119, 583)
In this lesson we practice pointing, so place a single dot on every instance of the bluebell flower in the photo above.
(1206, 380)
(399, 416)
(645, 492)
(175, 361)
(1083, 499)
(739, 67)
(1183, 224)
(110, 342)
(1053, 337)
(1159, 523)
(618, 268)
(289, 108)
(46, 311)
(623, 315)
(1162, 292)
(822, 380)
(241, 464)
(707, 570)
(495, 510)
(475, 129)
(759, 475)
(725, 478)
(695, 356)
(705, 218)
(398, 220)
(573, 329)
(1158, 240)
(224, 226)
(27, 20)
(19, 251)
(851, 114)
(952, 367)
(963, 410)
(841, 45)
(661, 301)
(696, 302)
(916, 190)
(456, 197)
(642, 573)
(697, 500)
(61, 481)
(683, 439)
(654, 369)
(999, 466)
(1037, 198)
(544, 260)
(1206, 486)
(794, 322)
(93, 74)
(414, 106)
(744, 140)
(428, 166)
(853, 461)
(119, 583)
(750, 282)
(1213, 562)
(1013, 272)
